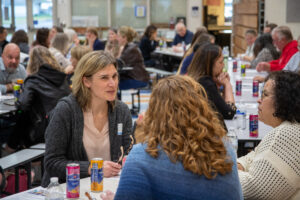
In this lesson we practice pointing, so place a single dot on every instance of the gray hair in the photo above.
(283, 32)
(60, 42)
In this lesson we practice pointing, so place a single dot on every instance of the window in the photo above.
(123, 13)
(228, 11)
(42, 13)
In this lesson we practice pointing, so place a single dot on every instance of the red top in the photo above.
(288, 51)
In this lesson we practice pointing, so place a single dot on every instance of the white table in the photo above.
(7, 104)
(169, 52)
(85, 184)
(20, 157)
(38, 146)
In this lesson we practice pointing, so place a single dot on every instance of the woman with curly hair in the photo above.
(183, 153)
(272, 170)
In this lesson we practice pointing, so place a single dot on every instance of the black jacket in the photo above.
(147, 46)
(40, 95)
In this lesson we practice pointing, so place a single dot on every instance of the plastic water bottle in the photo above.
(233, 138)
(183, 46)
(240, 117)
(54, 190)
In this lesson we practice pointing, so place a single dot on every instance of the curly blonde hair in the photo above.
(181, 121)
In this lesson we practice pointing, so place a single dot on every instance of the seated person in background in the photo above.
(20, 38)
(148, 44)
(73, 40)
(59, 48)
(92, 39)
(10, 69)
(272, 170)
(294, 63)
(53, 31)
(76, 54)
(183, 154)
(44, 86)
(42, 38)
(182, 35)
(207, 68)
(264, 50)
(112, 43)
(250, 38)
(89, 123)
(131, 56)
(3, 41)
(202, 39)
(283, 40)
(189, 51)
(269, 28)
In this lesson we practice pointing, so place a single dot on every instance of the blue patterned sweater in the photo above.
(145, 177)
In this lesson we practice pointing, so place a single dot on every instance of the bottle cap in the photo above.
(54, 179)
(20, 81)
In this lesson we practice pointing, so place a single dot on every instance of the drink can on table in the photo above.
(253, 125)
(243, 70)
(73, 180)
(17, 91)
(234, 66)
(97, 175)
(255, 88)
(238, 88)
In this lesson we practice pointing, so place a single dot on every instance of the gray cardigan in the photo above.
(64, 134)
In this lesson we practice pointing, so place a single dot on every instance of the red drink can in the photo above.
(97, 175)
(238, 88)
(253, 125)
(255, 88)
(73, 180)
(234, 66)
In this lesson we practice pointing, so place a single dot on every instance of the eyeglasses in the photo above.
(127, 152)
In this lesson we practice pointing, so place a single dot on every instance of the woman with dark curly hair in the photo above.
(272, 170)
(183, 154)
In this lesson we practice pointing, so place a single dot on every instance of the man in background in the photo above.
(182, 35)
(250, 38)
(3, 41)
(10, 69)
(283, 40)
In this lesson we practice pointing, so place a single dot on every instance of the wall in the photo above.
(275, 12)
(194, 22)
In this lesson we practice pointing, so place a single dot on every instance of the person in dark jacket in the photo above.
(92, 39)
(45, 85)
(90, 123)
(148, 44)
(206, 68)
(131, 56)
(3, 41)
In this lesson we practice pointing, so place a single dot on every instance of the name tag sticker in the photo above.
(120, 129)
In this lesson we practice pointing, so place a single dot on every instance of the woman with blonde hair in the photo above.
(90, 122)
(183, 153)
(131, 56)
(45, 85)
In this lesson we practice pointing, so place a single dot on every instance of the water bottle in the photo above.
(183, 46)
(233, 138)
(54, 190)
(241, 119)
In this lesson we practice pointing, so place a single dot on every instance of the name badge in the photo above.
(120, 129)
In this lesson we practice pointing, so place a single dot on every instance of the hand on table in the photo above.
(107, 195)
(263, 66)
(260, 79)
(111, 168)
